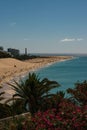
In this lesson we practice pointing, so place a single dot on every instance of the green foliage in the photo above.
(4, 109)
(34, 91)
(4, 54)
(59, 113)
(53, 101)
(25, 57)
(79, 93)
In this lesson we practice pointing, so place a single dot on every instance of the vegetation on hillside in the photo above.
(48, 111)
(4, 54)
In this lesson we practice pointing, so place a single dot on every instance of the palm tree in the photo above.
(33, 91)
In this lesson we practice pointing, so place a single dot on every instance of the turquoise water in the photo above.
(66, 73)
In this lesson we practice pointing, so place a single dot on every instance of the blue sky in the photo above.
(44, 26)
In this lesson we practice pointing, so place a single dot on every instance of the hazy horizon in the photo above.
(44, 26)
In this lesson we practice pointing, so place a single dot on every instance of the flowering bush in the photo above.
(67, 117)
(59, 113)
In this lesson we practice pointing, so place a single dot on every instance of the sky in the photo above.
(44, 26)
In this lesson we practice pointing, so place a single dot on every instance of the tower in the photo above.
(25, 51)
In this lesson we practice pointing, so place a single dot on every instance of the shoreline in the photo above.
(9, 72)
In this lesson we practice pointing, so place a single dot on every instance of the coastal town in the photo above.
(11, 52)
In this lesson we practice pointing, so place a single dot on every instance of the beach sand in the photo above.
(12, 68)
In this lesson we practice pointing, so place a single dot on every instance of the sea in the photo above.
(66, 73)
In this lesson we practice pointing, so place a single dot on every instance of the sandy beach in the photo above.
(11, 68)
